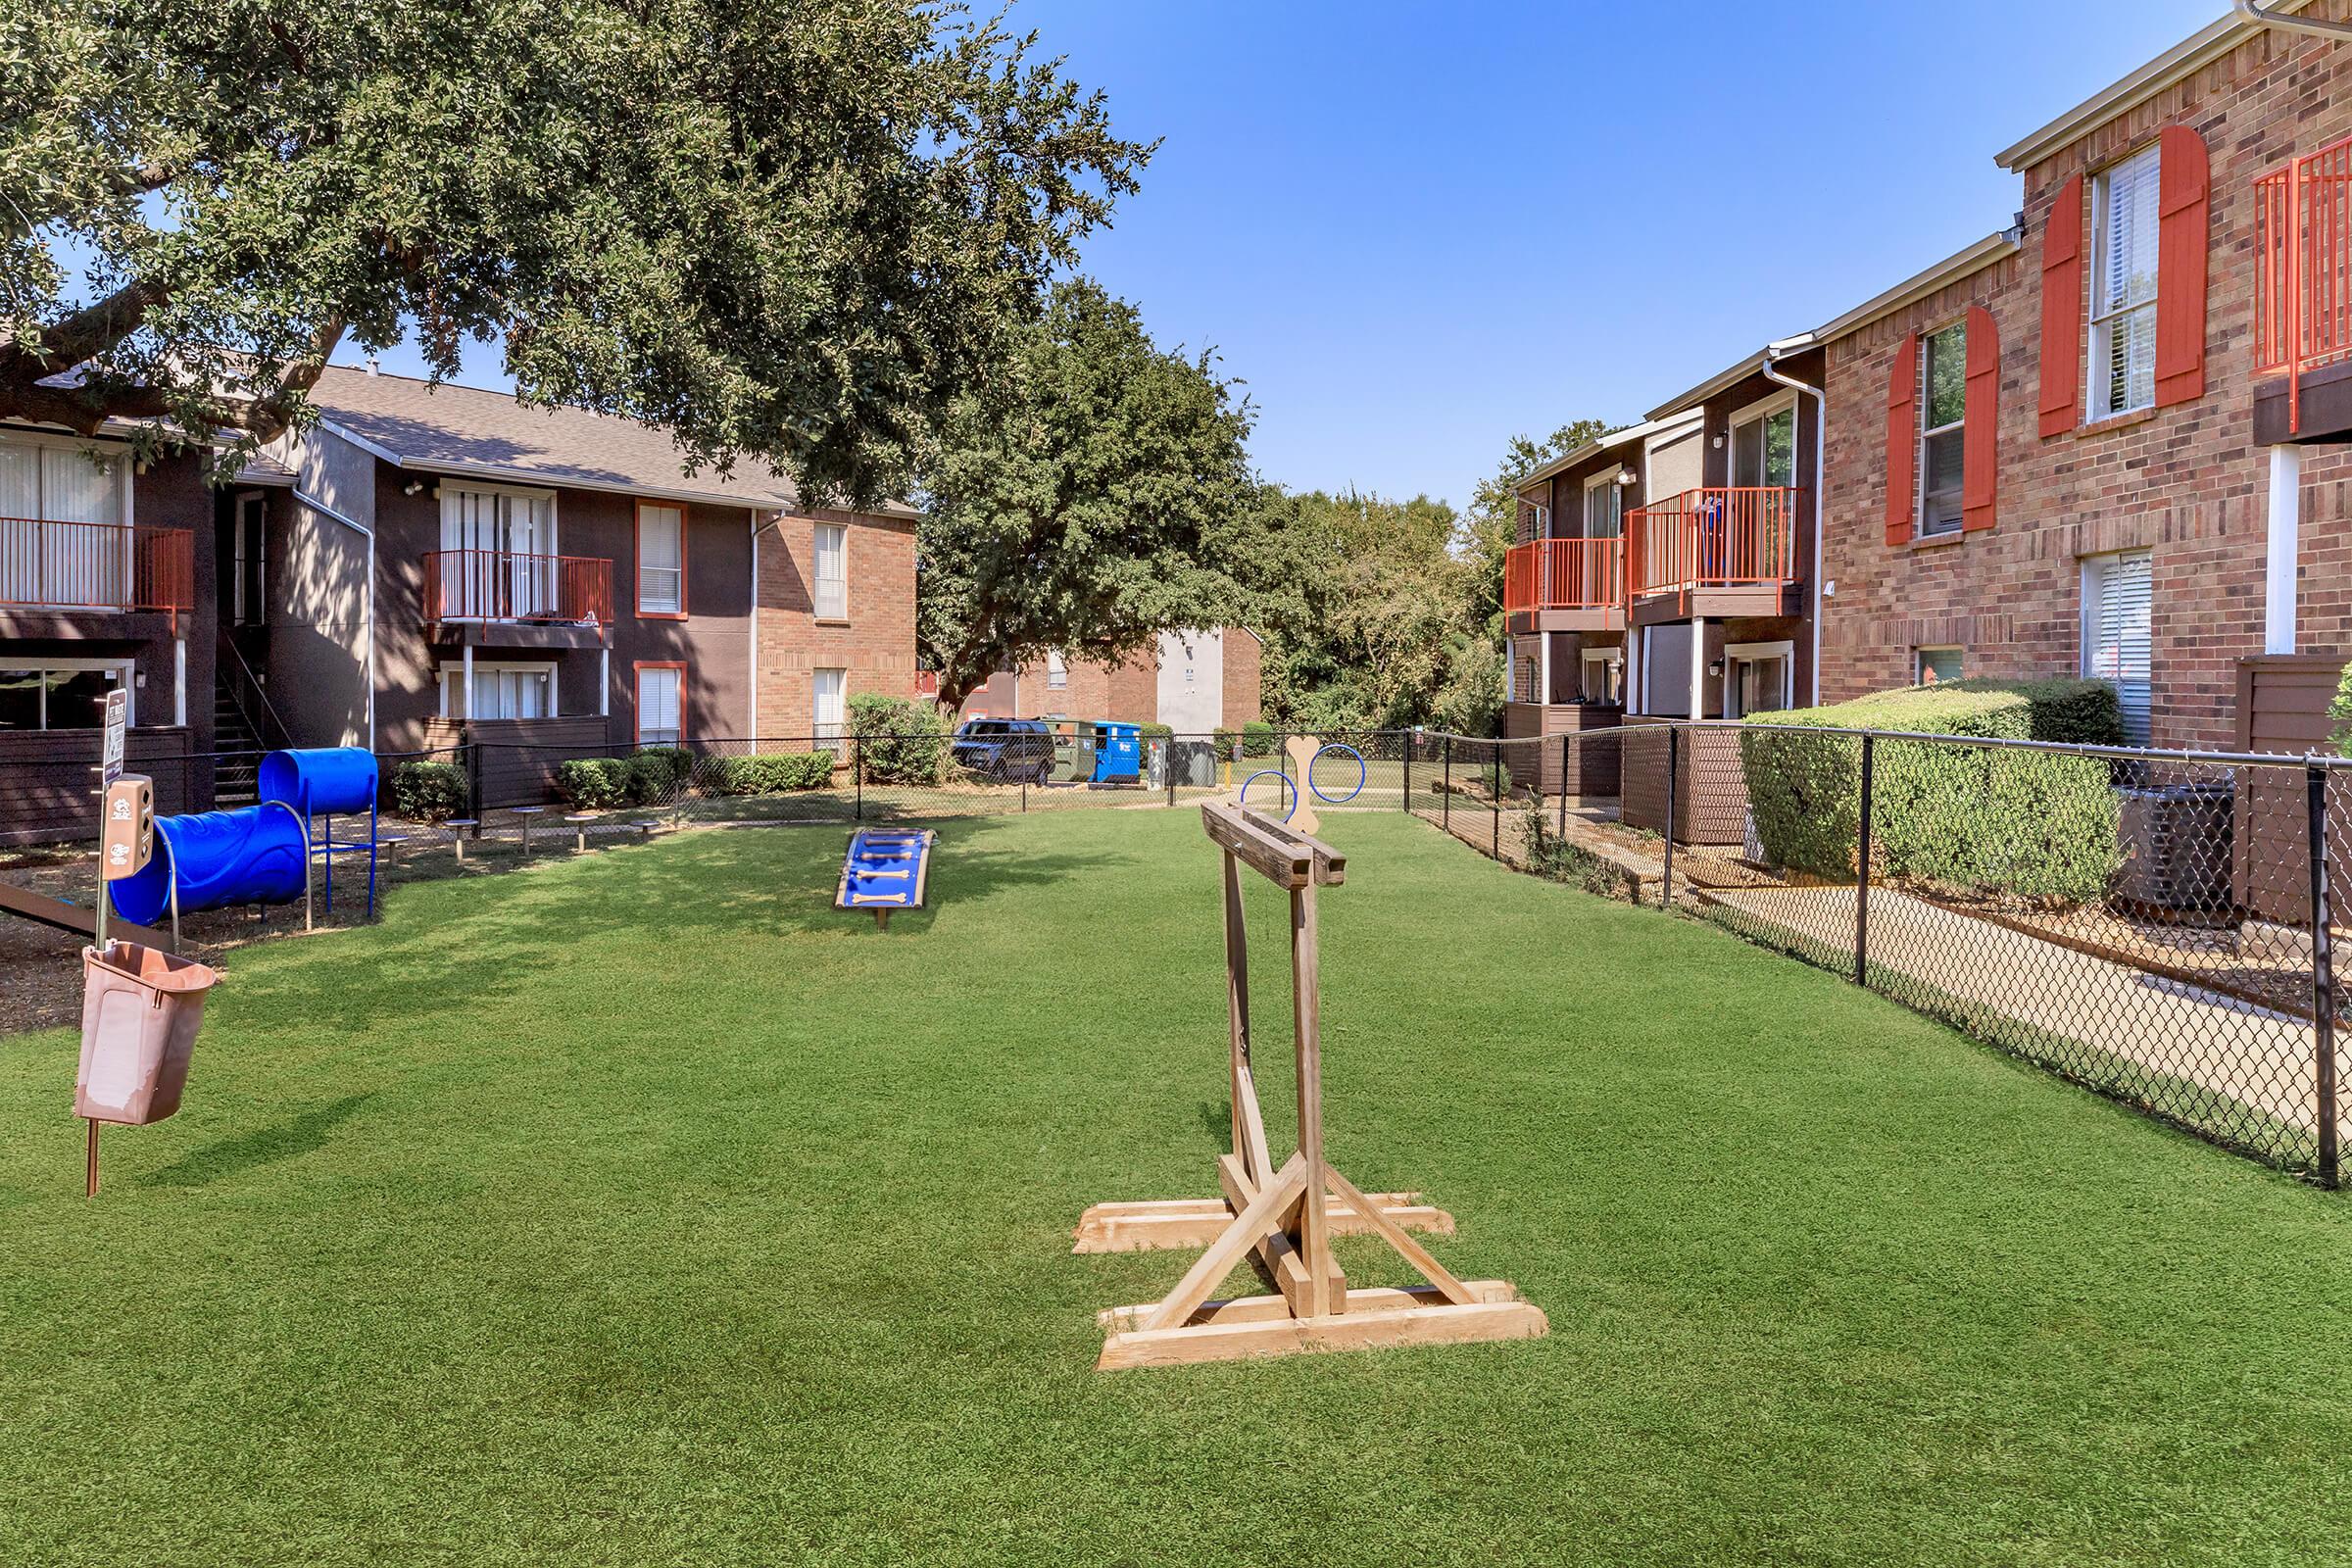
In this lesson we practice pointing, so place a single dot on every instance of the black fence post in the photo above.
(473, 779)
(1409, 772)
(858, 768)
(1567, 754)
(1494, 787)
(1167, 765)
(1446, 801)
(1673, 751)
(2322, 969)
(1862, 877)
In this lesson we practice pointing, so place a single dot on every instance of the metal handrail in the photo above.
(1568, 574)
(2303, 269)
(227, 652)
(508, 585)
(1715, 536)
(50, 564)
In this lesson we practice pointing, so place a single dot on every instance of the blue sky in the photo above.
(1416, 230)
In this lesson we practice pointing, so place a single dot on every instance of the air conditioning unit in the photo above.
(2176, 842)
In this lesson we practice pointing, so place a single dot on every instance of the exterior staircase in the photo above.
(236, 779)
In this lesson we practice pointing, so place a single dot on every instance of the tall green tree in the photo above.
(1098, 495)
(793, 228)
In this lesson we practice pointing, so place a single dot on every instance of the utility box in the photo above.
(140, 1010)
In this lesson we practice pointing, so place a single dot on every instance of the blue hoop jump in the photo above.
(1288, 811)
(1362, 773)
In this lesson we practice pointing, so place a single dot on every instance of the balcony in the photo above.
(1566, 585)
(97, 567)
(2303, 298)
(1717, 551)
(507, 598)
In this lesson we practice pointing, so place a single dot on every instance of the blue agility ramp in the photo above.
(885, 871)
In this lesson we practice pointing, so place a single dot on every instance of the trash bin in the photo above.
(1119, 753)
(140, 1008)
(1194, 764)
(1074, 751)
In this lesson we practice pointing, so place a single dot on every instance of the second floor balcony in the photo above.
(52, 566)
(1737, 544)
(1583, 577)
(2303, 296)
(486, 590)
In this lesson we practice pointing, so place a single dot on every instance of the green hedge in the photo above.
(655, 776)
(899, 741)
(1983, 817)
(1258, 739)
(428, 792)
(775, 773)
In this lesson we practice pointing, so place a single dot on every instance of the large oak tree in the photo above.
(794, 228)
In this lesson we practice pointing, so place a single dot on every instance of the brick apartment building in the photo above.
(1194, 682)
(2106, 439)
(423, 566)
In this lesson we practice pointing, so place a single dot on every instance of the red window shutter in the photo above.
(1981, 435)
(2062, 344)
(2184, 208)
(1902, 443)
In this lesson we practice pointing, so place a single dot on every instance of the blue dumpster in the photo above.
(1119, 753)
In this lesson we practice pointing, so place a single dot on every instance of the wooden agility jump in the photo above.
(1281, 1218)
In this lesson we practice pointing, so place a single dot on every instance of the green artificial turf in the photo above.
(641, 1210)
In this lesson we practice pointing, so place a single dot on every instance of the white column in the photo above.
(1698, 670)
(604, 683)
(2285, 529)
(1543, 666)
(180, 681)
(467, 683)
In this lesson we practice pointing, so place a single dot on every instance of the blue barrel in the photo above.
(255, 855)
(321, 781)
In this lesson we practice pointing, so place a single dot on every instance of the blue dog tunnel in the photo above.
(321, 781)
(255, 855)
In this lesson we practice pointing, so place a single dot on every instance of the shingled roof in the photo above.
(463, 429)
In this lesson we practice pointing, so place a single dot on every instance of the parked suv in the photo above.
(1004, 748)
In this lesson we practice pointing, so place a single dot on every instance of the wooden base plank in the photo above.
(1476, 1322)
(1269, 1309)
(1195, 1222)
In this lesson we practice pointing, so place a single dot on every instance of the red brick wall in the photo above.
(1243, 678)
(2187, 481)
(875, 645)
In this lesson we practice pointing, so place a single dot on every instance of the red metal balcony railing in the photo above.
(48, 565)
(1721, 538)
(1564, 574)
(501, 585)
(2303, 269)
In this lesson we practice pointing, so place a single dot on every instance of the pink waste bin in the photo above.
(140, 1007)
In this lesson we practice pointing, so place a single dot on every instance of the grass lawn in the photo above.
(638, 1208)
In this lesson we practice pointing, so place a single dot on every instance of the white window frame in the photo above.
(839, 607)
(676, 606)
(1757, 414)
(2137, 726)
(1738, 654)
(675, 736)
(1613, 657)
(1058, 671)
(1540, 527)
(2103, 317)
(125, 672)
(1918, 661)
(1920, 522)
(540, 595)
(828, 730)
(453, 675)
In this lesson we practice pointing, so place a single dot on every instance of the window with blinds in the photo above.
(61, 534)
(2119, 633)
(500, 691)
(660, 704)
(2126, 218)
(661, 560)
(832, 572)
(831, 685)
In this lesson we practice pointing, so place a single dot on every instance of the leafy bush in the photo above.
(2016, 821)
(592, 783)
(2340, 711)
(1226, 741)
(775, 773)
(656, 775)
(2065, 708)
(1258, 738)
(900, 740)
(428, 792)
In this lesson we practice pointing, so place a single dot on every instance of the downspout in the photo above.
(367, 656)
(1821, 421)
(2315, 26)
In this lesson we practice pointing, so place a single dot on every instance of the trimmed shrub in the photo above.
(428, 792)
(1226, 741)
(658, 774)
(900, 740)
(2065, 708)
(775, 773)
(1258, 738)
(592, 783)
(1981, 818)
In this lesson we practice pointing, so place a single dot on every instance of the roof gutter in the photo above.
(1773, 353)
(2315, 27)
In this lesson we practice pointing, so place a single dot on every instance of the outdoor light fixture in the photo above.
(1626, 475)
(412, 487)
(1714, 667)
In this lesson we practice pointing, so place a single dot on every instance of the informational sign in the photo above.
(117, 725)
